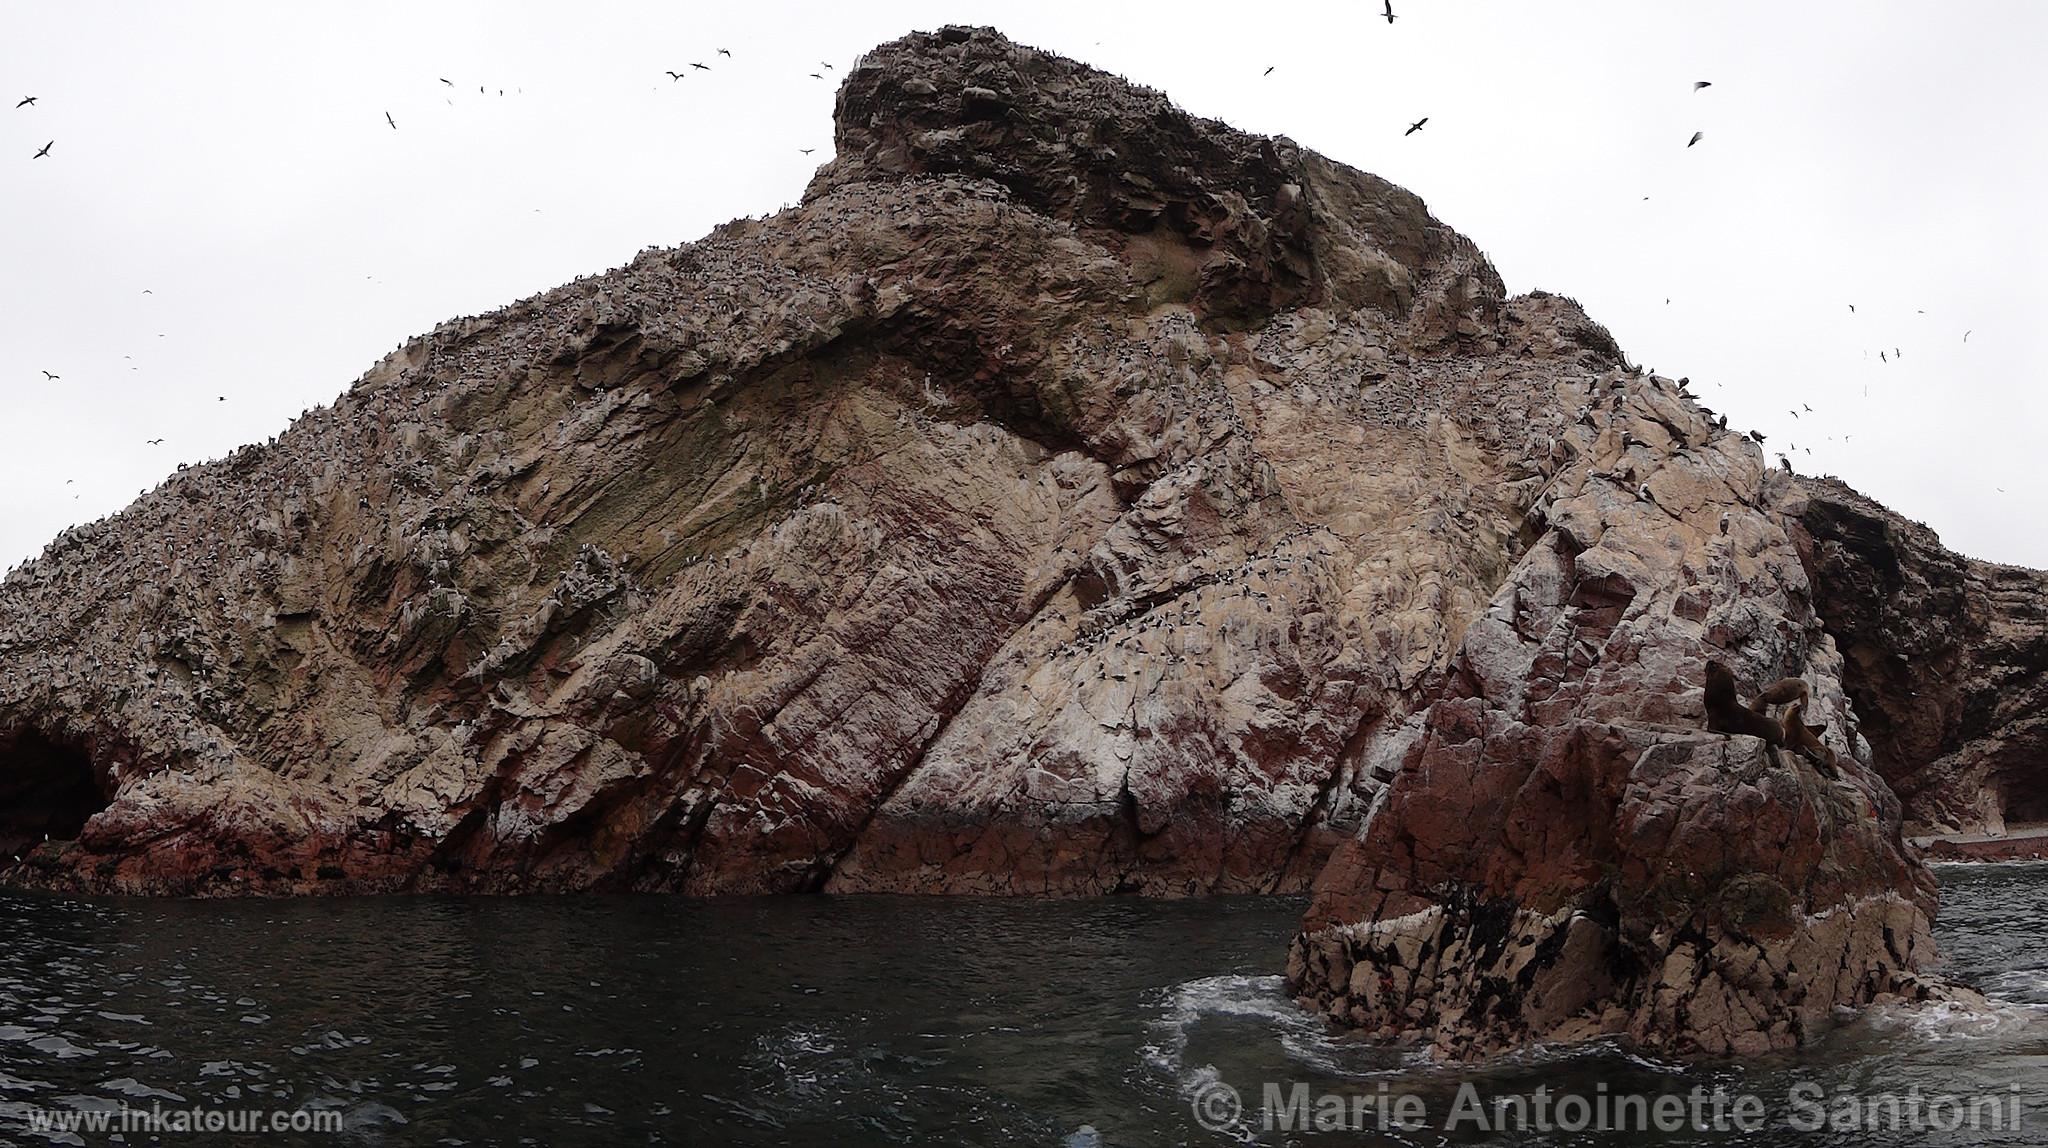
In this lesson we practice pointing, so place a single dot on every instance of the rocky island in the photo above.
(1068, 496)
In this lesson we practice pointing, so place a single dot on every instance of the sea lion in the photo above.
(1781, 691)
(1806, 739)
(1727, 714)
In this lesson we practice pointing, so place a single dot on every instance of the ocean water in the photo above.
(885, 1021)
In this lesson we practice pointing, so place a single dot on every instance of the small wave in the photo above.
(2016, 986)
(1304, 1037)
(1949, 1020)
(131, 1087)
(797, 1040)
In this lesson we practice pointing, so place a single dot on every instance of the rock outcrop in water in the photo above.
(1069, 496)
(1566, 854)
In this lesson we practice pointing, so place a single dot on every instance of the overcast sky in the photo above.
(226, 214)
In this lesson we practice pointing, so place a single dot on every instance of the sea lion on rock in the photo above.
(1781, 691)
(1806, 739)
(1727, 714)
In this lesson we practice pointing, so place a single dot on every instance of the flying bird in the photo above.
(1852, 308)
(700, 67)
(1795, 414)
(824, 65)
(816, 76)
(45, 151)
(1267, 72)
(447, 81)
(1389, 10)
(675, 75)
(806, 150)
(155, 442)
(1416, 126)
(26, 101)
(1696, 137)
(52, 378)
(389, 120)
(1698, 84)
(1966, 335)
(726, 54)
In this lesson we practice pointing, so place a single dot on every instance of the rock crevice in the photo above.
(1069, 495)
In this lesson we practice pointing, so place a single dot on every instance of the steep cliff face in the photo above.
(1056, 501)
(1068, 496)
(1947, 661)
(1565, 853)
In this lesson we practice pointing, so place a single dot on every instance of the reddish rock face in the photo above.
(1056, 501)
(1946, 661)
(1070, 496)
(1567, 853)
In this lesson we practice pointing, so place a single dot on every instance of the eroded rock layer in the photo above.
(1946, 661)
(1056, 501)
(1069, 496)
(1566, 854)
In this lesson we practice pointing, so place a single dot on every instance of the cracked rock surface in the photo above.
(1566, 854)
(1055, 501)
(1946, 661)
(1068, 496)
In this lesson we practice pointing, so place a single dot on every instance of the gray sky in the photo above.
(233, 159)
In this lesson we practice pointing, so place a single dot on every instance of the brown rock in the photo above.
(982, 524)
(1947, 661)
(1565, 823)
(1069, 496)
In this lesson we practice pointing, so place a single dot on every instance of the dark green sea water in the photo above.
(856, 1021)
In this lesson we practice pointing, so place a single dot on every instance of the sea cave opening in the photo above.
(2023, 798)
(48, 789)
